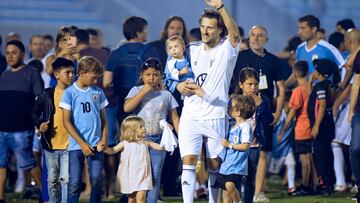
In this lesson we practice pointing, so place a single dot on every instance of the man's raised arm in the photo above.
(230, 24)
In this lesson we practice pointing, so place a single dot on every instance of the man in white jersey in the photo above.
(203, 116)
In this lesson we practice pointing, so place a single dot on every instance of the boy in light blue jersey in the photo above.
(83, 107)
(235, 158)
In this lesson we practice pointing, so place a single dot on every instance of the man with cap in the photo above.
(322, 123)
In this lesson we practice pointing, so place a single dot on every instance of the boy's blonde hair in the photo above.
(244, 104)
(176, 38)
(131, 129)
(90, 64)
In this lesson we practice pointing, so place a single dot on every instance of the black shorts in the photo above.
(221, 179)
(303, 146)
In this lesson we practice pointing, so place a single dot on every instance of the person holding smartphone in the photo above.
(66, 47)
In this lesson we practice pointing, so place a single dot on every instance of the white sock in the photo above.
(197, 185)
(213, 192)
(203, 186)
(338, 164)
(290, 164)
(188, 179)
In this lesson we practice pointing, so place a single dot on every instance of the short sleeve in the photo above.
(66, 100)
(112, 62)
(246, 133)
(279, 74)
(296, 100)
(103, 100)
(173, 102)
(134, 91)
(233, 51)
(297, 54)
(320, 93)
(334, 55)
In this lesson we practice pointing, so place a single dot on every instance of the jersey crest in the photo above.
(95, 97)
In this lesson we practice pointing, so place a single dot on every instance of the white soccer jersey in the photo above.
(213, 70)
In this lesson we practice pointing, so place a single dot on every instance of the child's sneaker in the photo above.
(354, 189)
(261, 197)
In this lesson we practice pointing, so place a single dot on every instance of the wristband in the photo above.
(231, 146)
(222, 5)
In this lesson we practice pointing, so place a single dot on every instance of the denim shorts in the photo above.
(21, 143)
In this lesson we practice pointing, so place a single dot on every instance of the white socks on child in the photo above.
(188, 179)
(339, 164)
(290, 164)
(213, 192)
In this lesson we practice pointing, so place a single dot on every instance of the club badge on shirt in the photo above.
(315, 56)
(95, 97)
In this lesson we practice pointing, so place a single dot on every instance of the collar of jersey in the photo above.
(82, 90)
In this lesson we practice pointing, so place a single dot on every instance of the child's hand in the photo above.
(101, 145)
(257, 99)
(314, 132)
(147, 88)
(225, 143)
(44, 126)
(87, 149)
(170, 126)
(184, 71)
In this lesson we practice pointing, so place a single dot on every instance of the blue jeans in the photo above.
(77, 158)
(112, 136)
(157, 162)
(253, 161)
(355, 148)
(57, 163)
(21, 143)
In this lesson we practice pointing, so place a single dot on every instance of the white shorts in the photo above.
(342, 126)
(192, 133)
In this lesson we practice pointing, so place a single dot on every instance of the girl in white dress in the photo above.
(134, 173)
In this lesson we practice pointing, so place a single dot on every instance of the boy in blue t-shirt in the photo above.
(83, 107)
(235, 160)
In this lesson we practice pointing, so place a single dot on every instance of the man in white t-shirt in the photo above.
(203, 116)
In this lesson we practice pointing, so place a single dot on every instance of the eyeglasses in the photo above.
(152, 62)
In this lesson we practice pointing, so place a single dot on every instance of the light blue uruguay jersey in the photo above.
(236, 162)
(320, 51)
(85, 105)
